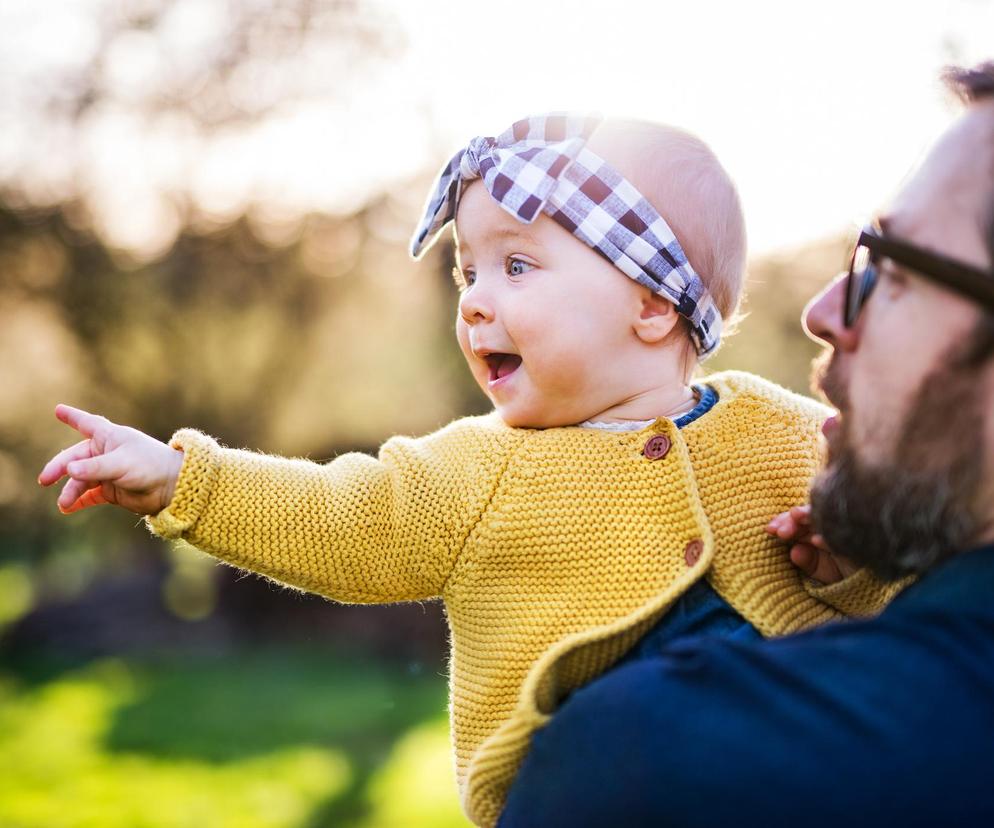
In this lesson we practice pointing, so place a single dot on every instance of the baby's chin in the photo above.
(532, 419)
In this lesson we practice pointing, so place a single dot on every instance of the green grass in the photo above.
(291, 739)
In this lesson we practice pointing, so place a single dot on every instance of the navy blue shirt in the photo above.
(882, 722)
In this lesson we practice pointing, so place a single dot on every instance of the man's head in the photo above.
(910, 473)
(567, 335)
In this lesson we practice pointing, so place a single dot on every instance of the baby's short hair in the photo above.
(684, 180)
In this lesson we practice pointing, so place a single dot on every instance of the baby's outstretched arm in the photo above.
(114, 464)
(808, 550)
(359, 528)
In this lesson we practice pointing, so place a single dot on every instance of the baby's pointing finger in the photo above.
(56, 467)
(83, 421)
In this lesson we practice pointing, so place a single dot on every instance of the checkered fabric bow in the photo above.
(542, 164)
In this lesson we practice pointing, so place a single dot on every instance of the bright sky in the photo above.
(817, 110)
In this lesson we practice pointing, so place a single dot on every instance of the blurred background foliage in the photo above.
(146, 685)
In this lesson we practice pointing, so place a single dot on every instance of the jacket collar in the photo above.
(963, 583)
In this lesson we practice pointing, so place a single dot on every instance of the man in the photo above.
(887, 721)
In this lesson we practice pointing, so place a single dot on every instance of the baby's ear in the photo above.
(656, 319)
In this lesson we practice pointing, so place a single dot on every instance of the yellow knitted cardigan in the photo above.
(554, 550)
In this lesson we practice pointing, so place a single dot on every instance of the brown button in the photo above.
(692, 552)
(657, 447)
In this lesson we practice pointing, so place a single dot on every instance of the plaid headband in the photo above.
(542, 164)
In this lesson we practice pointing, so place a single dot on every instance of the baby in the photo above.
(602, 492)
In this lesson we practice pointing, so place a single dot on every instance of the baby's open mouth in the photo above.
(501, 365)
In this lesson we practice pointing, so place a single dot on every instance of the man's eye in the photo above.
(518, 267)
(894, 275)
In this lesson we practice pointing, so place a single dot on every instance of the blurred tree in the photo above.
(210, 64)
(303, 348)
(303, 335)
(288, 334)
(295, 334)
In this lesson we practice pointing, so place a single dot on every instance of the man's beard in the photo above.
(914, 509)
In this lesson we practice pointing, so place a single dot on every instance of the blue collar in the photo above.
(708, 398)
(963, 583)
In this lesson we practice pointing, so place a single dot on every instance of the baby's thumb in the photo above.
(108, 466)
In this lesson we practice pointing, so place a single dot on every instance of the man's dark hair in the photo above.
(974, 84)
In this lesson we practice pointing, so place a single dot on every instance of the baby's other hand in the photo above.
(808, 550)
(114, 464)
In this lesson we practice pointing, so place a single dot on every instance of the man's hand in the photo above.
(808, 550)
(114, 464)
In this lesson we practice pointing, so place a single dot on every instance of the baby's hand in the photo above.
(808, 550)
(114, 464)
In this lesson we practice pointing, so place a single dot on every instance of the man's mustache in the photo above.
(827, 380)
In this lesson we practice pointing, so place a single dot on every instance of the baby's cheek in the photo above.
(561, 374)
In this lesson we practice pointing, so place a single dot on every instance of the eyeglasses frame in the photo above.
(965, 279)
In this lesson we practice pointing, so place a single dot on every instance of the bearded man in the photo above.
(886, 721)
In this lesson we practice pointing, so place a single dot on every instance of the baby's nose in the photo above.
(475, 305)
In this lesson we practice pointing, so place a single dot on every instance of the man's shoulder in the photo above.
(896, 703)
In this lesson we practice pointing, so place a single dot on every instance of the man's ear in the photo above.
(657, 317)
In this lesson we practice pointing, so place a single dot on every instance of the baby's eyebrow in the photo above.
(503, 234)
(512, 233)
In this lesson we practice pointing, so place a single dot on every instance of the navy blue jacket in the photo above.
(866, 723)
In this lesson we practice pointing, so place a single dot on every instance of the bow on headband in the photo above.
(542, 164)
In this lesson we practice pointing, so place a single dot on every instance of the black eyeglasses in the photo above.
(872, 246)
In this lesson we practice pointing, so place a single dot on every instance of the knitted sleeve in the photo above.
(792, 440)
(359, 529)
(860, 595)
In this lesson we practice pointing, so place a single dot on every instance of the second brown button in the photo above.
(657, 447)
(692, 552)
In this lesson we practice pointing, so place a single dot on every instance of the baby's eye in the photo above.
(463, 278)
(517, 267)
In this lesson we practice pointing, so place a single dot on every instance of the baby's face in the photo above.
(544, 322)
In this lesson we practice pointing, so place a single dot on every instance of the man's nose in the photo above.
(822, 318)
(476, 304)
